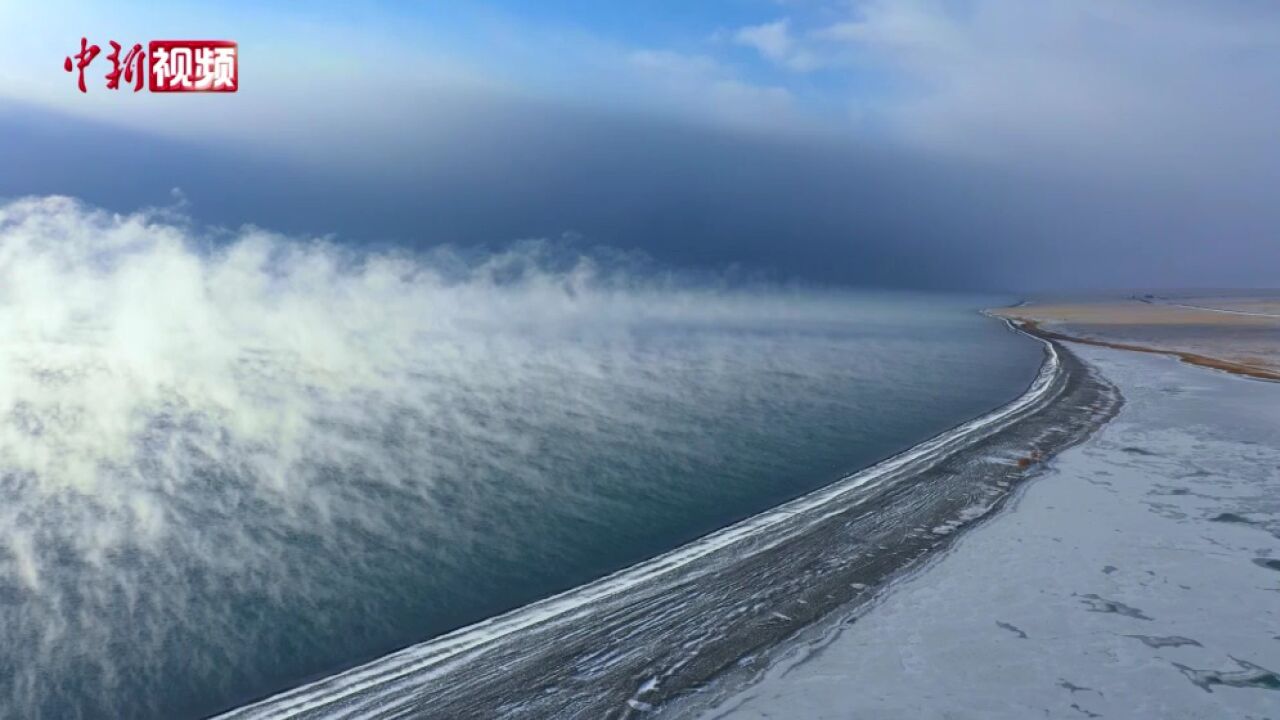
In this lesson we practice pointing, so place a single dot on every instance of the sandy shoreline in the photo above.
(1136, 579)
(1237, 368)
(1237, 335)
(631, 643)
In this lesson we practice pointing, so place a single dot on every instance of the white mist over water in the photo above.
(232, 460)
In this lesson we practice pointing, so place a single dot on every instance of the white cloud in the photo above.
(775, 42)
(701, 86)
(1173, 85)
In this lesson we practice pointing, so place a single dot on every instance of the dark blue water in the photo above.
(272, 465)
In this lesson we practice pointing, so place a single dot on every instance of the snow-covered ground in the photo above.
(1138, 578)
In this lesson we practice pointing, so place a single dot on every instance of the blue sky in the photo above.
(750, 64)
(1144, 121)
(982, 77)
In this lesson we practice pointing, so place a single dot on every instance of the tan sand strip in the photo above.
(1033, 327)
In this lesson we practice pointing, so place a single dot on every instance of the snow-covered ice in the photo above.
(1139, 577)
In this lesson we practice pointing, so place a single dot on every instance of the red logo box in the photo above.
(193, 66)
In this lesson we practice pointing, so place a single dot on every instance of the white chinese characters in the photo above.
(193, 66)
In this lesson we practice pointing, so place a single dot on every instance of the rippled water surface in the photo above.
(232, 464)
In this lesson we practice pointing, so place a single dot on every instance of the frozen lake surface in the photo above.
(1137, 578)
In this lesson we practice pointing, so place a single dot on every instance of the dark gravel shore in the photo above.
(652, 648)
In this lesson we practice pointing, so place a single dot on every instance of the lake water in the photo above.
(229, 469)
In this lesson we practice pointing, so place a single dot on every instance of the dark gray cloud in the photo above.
(815, 210)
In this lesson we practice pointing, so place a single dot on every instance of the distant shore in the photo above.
(1034, 327)
(1233, 336)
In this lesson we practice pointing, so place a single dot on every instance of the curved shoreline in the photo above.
(634, 639)
(1133, 580)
